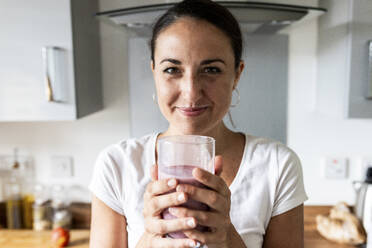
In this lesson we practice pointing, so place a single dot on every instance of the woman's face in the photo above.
(194, 75)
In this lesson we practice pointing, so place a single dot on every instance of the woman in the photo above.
(257, 192)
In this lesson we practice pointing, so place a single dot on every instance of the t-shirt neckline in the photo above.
(237, 176)
(238, 173)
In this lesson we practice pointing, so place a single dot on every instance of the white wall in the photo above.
(316, 126)
(310, 133)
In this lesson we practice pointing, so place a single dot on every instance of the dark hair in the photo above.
(206, 10)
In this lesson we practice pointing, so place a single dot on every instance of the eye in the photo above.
(211, 70)
(171, 70)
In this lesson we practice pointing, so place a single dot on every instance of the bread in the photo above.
(341, 226)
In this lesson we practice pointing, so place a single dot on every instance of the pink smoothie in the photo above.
(183, 173)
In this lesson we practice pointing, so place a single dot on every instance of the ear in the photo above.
(238, 73)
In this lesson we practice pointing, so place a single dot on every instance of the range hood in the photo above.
(253, 17)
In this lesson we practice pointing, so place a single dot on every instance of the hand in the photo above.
(217, 198)
(156, 200)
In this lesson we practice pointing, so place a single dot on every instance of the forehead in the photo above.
(190, 37)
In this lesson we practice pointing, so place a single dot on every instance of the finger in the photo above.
(174, 243)
(217, 237)
(159, 187)
(212, 198)
(161, 227)
(204, 218)
(218, 165)
(154, 172)
(158, 204)
(212, 181)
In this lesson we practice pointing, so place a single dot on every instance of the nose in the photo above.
(191, 88)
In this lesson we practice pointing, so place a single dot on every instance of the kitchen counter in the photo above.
(80, 238)
(41, 239)
(312, 237)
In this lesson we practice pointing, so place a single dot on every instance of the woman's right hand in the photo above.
(155, 202)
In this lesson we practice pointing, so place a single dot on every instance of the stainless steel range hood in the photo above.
(254, 17)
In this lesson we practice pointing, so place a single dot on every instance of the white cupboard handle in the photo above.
(48, 60)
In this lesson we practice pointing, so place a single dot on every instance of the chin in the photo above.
(193, 129)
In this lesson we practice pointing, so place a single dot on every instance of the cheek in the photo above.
(166, 93)
(222, 98)
(220, 92)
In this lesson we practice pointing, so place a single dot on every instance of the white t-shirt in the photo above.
(269, 182)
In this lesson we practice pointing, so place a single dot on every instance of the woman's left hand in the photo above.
(217, 197)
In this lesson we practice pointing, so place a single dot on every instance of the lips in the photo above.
(192, 111)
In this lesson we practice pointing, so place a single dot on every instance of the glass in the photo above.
(177, 157)
(42, 210)
(28, 200)
(12, 192)
(60, 205)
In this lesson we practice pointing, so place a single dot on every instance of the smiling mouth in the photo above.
(192, 111)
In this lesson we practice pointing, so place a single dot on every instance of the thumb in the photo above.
(154, 172)
(218, 165)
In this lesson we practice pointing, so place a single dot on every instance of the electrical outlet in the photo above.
(335, 168)
(61, 167)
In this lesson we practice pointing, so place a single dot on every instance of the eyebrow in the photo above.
(174, 61)
(204, 62)
(210, 61)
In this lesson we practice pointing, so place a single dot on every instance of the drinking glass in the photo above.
(177, 157)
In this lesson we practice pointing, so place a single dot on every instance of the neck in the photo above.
(220, 133)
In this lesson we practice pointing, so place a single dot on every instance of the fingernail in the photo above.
(172, 183)
(191, 222)
(172, 210)
(181, 197)
(192, 244)
(179, 188)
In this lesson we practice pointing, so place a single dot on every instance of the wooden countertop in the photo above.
(312, 238)
(80, 238)
(41, 239)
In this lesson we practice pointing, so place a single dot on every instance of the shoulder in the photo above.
(128, 146)
(128, 150)
(271, 154)
(261, 146)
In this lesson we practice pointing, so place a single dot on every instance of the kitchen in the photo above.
(316, 126)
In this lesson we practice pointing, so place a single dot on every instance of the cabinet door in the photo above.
(358, 104)
(27, 27)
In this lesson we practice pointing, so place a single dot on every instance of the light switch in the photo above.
(335, 168)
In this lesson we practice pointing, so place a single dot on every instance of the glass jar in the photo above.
(12, 193)
(61, 218)
(42, 210)
(4, 175)
(60, 204)
(28, 200)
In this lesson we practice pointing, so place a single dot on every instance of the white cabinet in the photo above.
(343, 58)
(359, 104)
(74, 70)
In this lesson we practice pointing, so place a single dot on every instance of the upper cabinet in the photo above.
(49, 60)
(345, 58)
(359, 94)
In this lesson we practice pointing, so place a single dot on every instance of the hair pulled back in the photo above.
(205, 10)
